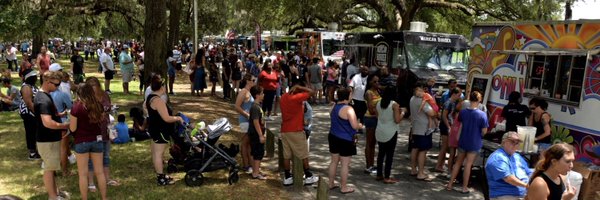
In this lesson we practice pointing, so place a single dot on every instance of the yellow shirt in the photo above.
(376, 98)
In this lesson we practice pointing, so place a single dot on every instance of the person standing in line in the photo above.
(63, 102)
(256, 133)
(548, 179)
(77, 64)
(127, 70)
(445, 124)
(12, 99)
(351, 70)
(86, 117)
(332, 81)
(213, 72)
(25, 65)
(358, 86)
(293, 136)
(372, 98)
(514, 112)
(420, 141)
(11, 57)
(541, 120)
(243, 103)
(315, 76)
(268, 80)
(161, 128)
(389, 115)
(342, 140)
(48, 134)
(108, 68)
(507, 172)
(26, 111)
(171, 72)
(43, 62)
(474, 127)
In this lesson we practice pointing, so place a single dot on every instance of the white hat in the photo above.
(30, 74)
(54, 67)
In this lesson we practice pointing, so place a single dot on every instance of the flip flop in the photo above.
(334, 187)
(415, 174)
(463, 192)
(427, 179)
(115, 183)
(449, 189)
(259, 177)
(347, 192)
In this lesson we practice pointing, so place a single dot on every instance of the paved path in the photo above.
(365, 185)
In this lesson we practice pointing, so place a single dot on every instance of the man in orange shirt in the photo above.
(293, 137)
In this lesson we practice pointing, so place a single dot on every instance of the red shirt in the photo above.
(292, 111)
(268, 81)
(44, 62)
(86, 130)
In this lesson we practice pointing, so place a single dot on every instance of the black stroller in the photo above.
(197, 152)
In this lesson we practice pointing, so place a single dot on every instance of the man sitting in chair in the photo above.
(507, 172)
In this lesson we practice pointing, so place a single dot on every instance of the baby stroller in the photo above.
(198, 152)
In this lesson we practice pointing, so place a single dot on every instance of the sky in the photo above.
(590, 9)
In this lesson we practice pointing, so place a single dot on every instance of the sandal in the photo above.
(259, 177)
(92, 188)
(115, 183)
(426, 179)
(334, 187)
(390, 180)
(350, 190)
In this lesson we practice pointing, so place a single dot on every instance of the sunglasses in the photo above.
(55, 84)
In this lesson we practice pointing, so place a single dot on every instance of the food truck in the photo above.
(323, 44)
(412, 55)
(558, 61)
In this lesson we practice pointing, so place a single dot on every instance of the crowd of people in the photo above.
(364, 101)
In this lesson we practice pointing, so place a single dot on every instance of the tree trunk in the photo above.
(38, 33)
(155, 35)
(568, 10)
(174, 22)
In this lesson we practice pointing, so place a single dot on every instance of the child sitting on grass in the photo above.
(428, 99)
(122, 131)
(256, 132)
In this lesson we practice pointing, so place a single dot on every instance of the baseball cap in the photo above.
(54, 67)
(512, 136)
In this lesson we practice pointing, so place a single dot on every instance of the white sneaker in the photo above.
(288, 181)
(311, 180)
(249, 170)
(42, 164)
(72, 159)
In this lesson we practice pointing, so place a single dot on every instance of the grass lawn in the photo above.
(130, 163)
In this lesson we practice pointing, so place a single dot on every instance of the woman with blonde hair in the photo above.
(548, 179)
(87, 115)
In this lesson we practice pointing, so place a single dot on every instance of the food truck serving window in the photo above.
(557, 77)
(435, 57)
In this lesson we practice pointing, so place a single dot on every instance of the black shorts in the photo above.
(443, 129)
(236, 76)
(257, 150)
(421, 142)
(339, 146)
(109, 75)
(159, 137)
(360, 108)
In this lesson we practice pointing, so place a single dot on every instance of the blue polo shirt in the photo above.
(500, 165)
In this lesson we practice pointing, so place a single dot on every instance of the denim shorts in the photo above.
(171, 71)
(105, 156)
(89, 147)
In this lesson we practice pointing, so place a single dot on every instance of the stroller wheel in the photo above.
(194, 178)
(233, 177)
(171, 168)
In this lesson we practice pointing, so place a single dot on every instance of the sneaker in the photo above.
(311, 180)
(288, 181)
(371, 170)
(34, 156)
(42, 164)
(164, 180)
(72, 159)
(248, 170)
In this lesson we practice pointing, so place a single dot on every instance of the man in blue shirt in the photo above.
(507, 172)
(451, 85)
